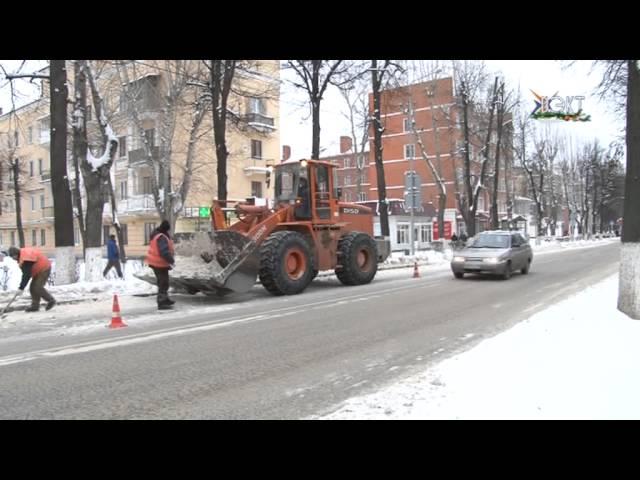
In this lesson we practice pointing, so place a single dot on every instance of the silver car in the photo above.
(494, 252)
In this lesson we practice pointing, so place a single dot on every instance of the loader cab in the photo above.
(308, 184)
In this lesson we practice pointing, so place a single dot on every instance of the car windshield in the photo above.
(491, 241)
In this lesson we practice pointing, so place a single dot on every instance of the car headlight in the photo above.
(458, 259)
(491, 260)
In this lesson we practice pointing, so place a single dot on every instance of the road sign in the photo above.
(412, 190)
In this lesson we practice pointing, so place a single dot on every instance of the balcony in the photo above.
(45, 176)
(260, 122)
(132, 204)
(47, 212)
(140, 155)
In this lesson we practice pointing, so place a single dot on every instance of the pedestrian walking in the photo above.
(113, 257)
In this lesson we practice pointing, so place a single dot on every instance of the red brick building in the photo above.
(437, 117)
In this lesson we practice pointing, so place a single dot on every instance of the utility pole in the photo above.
(412, 192)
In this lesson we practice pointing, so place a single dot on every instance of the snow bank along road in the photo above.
(279, 357)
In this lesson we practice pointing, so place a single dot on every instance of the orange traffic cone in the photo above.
(116, 319)
(416, 272)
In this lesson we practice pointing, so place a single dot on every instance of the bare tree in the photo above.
(314, 76)
(476, 121)
(357, 113)
(96, 169)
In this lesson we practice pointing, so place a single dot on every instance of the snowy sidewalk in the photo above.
(578, 359)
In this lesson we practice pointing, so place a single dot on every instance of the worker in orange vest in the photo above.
(160, 259)
(35, 267)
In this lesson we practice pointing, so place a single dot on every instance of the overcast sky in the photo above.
(546, 77)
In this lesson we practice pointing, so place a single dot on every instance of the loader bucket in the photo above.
(214, 263)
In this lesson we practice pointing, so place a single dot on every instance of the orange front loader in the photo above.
(306, 230)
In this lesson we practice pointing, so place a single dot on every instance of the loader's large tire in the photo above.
(285, 263)
(357, 259)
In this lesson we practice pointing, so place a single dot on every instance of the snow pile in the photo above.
(187, 267)
(427, 256)
(10, 274)
(575, 360)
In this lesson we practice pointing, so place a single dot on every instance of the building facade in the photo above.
(135, 110)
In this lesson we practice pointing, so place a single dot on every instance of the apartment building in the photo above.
(134, 94)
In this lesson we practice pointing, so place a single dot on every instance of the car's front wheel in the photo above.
(507, 271)
(526, 268)
(458, 274)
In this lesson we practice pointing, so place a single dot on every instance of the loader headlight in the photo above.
(303, 163)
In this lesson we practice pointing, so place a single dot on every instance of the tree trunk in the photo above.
(221, 76)
(62, 205)
(376, 81)
(15, 166)
(468, 210)
(629, 282)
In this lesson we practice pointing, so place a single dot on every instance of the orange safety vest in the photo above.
(41, 264)
(154, 259)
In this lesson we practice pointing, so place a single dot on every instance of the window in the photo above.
(362, 197)
(88, 111)
(123, 190)
(148, 228)
(105, 234)
(149, 136)
(11, 174)
(45, 130)
(347, 162)
(30, 135)
(346, 196)
(363, 178)
(409, 151)
(347, 179)
(402, 233)
(42, 202)
(146, 185)
(124, 230)
(34, 237)
(33, 203)
(406, 125)
(256, 149)
(13, 238)
(122, 145)
(40, 166)
(480, 203)
(16, 138)
(256, 105)
(43, 237)
(425, 233)
(76, 236)
(31, 168)
(256, 189)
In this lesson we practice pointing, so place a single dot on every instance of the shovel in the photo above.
(3, 315)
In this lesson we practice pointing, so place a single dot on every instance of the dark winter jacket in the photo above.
(113, 253)
(163, 246)
(27, 267)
